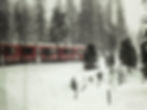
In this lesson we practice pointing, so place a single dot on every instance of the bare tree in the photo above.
(121, 22)
(40, 21)
(109, 27)
(22, 21)
(99, 31)
(91, 23)
(4, 20)
(71, 18)
(86, 21)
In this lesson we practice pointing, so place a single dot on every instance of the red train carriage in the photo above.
(78, 52)
(1, 49)
(11, 53)
(70, 52)
(28, 53)
(48, 53)
(65, 53)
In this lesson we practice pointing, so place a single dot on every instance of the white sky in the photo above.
(134, 12)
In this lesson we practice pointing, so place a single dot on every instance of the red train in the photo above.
(15, 53)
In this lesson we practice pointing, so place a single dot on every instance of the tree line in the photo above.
(89, 25)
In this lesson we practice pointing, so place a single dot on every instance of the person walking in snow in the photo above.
(74, 87)
(99, 76)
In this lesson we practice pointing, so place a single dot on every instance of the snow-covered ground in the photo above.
(47, 87)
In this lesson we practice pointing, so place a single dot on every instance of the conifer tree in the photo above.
(58, 29)
(128, 54)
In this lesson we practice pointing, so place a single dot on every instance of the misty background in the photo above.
(115, 28)
(27, 20)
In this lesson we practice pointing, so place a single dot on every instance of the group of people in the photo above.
(90, 63)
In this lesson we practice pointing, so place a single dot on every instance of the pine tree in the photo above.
(4, 20)
(58, 29)
(90, 57)
(143, 53)
(128, 54)
(144, 58)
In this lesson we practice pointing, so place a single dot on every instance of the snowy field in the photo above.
(47, 87)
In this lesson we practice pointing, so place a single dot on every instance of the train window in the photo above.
(68, 51)
(27, 50)
(48, 51)
(8, 51)
(1, 50)
(81, 51)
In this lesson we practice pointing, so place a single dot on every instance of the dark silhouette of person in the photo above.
(74, 87)
(99, 76)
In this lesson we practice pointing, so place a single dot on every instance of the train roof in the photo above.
(44, 44)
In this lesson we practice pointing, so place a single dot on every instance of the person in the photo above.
(109, 96)
(99, 76)
(110, 60)
(121, 77)
(74, 87)
(90, 57)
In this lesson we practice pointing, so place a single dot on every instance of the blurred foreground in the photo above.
(47, 87)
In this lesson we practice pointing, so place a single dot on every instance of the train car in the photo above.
(72, 53)
(14, 53)
(78, 52)
(28, 53)
(65, 53)
(48, 53)
(11, 53)
(1, 49)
